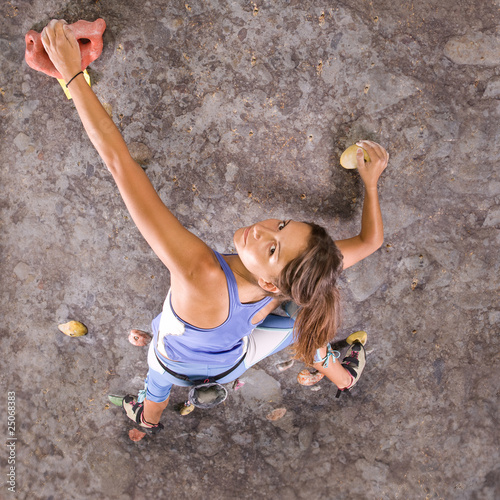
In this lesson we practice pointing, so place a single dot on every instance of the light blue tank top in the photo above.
(222, 345)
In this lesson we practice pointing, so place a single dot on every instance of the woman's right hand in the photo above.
(62, 48)
(371, 170)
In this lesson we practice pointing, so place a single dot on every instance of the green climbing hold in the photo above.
(116, 400)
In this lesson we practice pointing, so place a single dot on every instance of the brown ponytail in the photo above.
(310, 281)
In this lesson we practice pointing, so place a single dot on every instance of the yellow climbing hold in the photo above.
(360, 336)
(73, 329)
(348, 159)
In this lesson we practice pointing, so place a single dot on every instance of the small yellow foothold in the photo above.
(73, 329)
(361, 336)
(186, 409)
(66, 90)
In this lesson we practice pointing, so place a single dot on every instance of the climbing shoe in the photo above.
(355, 359)
(135, 410)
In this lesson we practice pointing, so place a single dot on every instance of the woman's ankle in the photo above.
(148, 422)
(153, 411)
(348, 382)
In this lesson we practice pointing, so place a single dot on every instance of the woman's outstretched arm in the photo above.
(181, 251)
(371, 235)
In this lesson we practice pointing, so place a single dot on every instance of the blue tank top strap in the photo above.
(234, 297)
(232, 287)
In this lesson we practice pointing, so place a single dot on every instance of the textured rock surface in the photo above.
(239, 111)
(474, 48)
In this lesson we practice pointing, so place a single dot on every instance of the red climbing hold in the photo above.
(136, 435)
(89, 36)
(139, 338)
(305, 377)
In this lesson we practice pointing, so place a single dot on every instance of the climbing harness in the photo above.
(204, 393)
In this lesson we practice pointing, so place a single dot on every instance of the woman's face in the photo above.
(266, 247)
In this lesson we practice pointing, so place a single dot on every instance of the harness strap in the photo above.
(187, 379)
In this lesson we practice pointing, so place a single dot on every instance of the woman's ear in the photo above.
(268, 286)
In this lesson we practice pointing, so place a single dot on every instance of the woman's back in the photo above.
(178, 339)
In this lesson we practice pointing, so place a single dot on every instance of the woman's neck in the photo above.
(248, 287)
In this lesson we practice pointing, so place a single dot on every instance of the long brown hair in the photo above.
(310, 280)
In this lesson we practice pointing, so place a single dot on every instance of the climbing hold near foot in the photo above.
(186, 408)
(139, 338)
(116, 400)
(136, 435)
(305, 377)
(285, 365)
(73, 329)
(360, 336)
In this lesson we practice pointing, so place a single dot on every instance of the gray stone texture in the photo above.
(239, 111)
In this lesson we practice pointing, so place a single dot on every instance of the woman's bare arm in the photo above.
(371, 235)
(180, 250)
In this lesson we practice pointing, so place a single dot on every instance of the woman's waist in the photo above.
(197, 347)
(186, 359)
(191, 367)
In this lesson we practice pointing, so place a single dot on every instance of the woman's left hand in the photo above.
(62, 48)
(371, 170)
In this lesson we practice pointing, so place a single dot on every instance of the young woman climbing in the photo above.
(212, 323)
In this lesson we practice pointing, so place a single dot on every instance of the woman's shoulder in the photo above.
(200, 298)
(206, 269)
